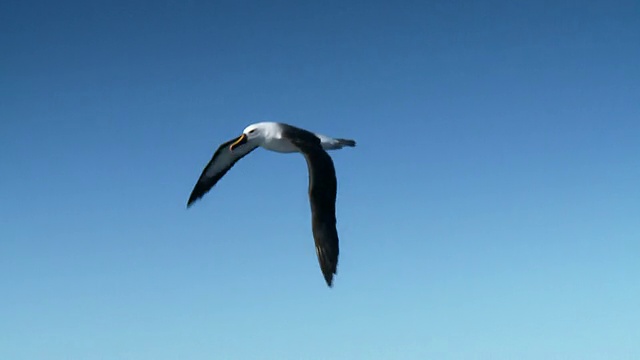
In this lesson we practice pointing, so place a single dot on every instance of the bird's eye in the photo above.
(252, 131)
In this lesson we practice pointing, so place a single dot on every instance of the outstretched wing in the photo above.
(223, 160)
(322, 198)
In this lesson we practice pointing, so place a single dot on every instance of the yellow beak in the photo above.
(241, 140)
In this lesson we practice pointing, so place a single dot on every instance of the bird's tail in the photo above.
(329, 143)
(346, 142)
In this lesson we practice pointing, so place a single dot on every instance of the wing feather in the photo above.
(322, 199)
(221, 161)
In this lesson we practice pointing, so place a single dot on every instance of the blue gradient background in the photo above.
(490, 211)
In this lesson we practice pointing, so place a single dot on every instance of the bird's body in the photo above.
(284, 138)
(275, 140)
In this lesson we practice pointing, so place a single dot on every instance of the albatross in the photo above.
(322, 187)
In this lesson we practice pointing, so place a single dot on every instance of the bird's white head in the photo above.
(254, 134)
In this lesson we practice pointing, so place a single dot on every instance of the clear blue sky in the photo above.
(490, 211)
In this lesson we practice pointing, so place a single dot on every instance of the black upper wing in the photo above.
(322, 198)
(223, 160)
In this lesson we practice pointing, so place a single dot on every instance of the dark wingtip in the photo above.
(328, 276)
(193, 198)
(198, 192)
(329, 280)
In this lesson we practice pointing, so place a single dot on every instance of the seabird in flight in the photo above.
(284, 138)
